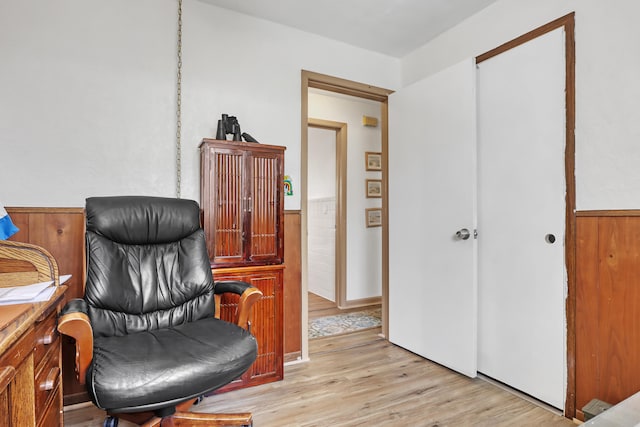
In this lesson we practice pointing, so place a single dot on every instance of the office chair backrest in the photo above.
(147, 264)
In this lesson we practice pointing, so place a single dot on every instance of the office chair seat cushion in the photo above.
(155, 369)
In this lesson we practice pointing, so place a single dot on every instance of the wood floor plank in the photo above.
(321, 307)
(360, 379)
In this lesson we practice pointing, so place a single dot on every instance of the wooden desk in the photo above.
(30, 364)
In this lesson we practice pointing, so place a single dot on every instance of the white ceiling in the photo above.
(391, 27)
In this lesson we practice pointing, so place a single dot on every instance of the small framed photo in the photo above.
(374, 217)
(374, 188)
(373, 161)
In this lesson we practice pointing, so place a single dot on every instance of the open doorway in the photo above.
(331, 312)
(326, 209)
(378, 96)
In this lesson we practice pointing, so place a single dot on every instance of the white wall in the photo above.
(607, 84)
(321, 164)
(87, 104)
(364, 245)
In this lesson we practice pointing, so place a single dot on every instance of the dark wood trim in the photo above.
(346, 87)
(568, 22)
(565, 21)
(40, 210)
(11, 210)
(609, 213)
(570, 226)
(384, 125)
(304, 153)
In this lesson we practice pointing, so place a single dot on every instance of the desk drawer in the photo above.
(47, 380)
(46, 337)
(19, 351)
(52, 415)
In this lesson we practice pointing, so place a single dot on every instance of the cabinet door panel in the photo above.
(268, 335)
(265, 207)
(266, 320)
(227, 225)
(243, 202)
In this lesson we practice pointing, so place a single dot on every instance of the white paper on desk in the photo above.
(30, 293)
(64, 278)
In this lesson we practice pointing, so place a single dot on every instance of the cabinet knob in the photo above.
(50, 381)
(49, 337)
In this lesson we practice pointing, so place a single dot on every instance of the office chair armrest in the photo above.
(248, 296)
(74, 322)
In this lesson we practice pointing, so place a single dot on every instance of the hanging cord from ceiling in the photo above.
(179, 105)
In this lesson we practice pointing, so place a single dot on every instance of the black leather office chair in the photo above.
(148, 341)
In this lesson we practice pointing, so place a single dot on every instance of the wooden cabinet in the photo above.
(242, 197)
(266, 320)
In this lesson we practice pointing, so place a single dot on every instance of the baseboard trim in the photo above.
(292, 357)
(363, 302)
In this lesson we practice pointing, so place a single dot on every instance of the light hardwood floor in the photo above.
(361, 379)
(321, 307)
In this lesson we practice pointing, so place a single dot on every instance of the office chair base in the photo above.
(193, 419)
(182, 418)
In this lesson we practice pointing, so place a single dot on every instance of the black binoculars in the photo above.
(229, 125)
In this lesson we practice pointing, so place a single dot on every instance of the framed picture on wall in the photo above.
(374, 188)
(374, 217)
(373, 161)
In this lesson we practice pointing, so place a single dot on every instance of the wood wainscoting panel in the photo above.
(61, 232)
(292, 287)
(607, 306)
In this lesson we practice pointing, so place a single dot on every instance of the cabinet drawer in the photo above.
(19, 351)
(52, 415)
(47, 380)
(46, 337)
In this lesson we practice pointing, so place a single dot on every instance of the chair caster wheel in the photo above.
(111, 422)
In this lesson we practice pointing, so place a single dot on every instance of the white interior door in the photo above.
(432, 173)
(521, 194)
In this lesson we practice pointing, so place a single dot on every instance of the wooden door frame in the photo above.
(310, 79)
(340, 130)
(568, 23)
